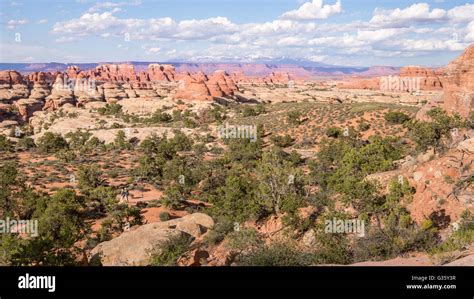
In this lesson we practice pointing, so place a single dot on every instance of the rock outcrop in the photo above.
(72, 71)
(439, 191)
(61, 93)
(464, 261)
(200, 87)
(157, 72)
(458, 84)
(410, 78)
(133, 247)
(193, 88)
(113, 92)
(12, 86)
(85, 90)
(26, 107)
(113, 73)
(278, 78)
(220, 82)
(11, 78)
(429, 78)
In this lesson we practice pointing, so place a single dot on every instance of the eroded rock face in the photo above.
(278, 78)
(422, 114)
(225, 83)
(72, 71)
(458, 84)
(200, 87)
(133, 247)
(429, 78)
(113, 73)
(437, 180)
(215, 89)
(41, 77)
(85, 90)
(26, 107)
(193, 88)
(157, 72)
(113, 92)
(438, 192)
(13, 92)
(12, 86)
(11, 78)
(239, 77)
(61, 94)
(40, 91)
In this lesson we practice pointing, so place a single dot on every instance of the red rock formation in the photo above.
(11, 77)
(72, 71)
(226, 82)
(434, 194)
(26, 107)
(222, 82)
(214, 88)
(200, 87)
(458, 84)
(62, 93)
(125, 73)
(279, 78)
(200, 76)
(113, 73)
(239, 77)
(157, 72)
(41, 77)
(85, 90)
(12, 86)
(193, 88)
(170, 71)
(429, 78)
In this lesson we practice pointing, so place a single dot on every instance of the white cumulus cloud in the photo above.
(464, 13)
(419, 12)
(313, 10)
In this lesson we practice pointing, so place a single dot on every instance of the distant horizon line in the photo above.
(322, 65)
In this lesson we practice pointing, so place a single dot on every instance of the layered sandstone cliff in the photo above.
(410, 78)
(430, 79)
(458, 84)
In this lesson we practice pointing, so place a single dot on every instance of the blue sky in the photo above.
(342, 32)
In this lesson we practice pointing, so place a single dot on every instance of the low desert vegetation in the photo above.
(168, 252)
(396, 117)
(236, 181)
